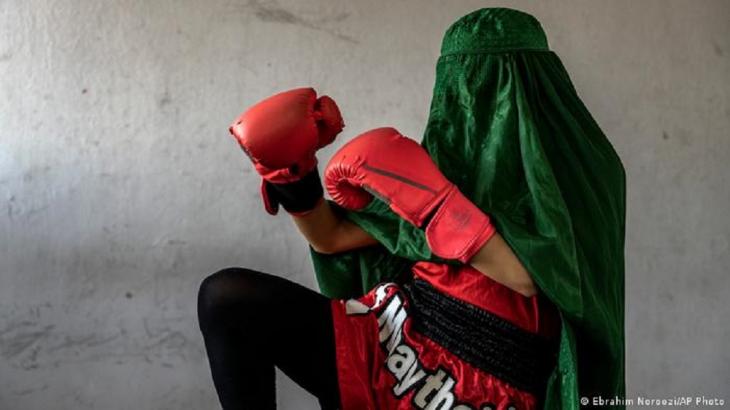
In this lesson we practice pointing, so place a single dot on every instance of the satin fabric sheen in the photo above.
(507, 126)
(364, 378)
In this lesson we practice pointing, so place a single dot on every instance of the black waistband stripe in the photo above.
(482, 339)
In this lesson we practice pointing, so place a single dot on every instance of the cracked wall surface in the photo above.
(120, 188)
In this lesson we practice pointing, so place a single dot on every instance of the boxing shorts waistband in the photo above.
(482, 339)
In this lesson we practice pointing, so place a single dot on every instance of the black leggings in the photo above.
(251, 322)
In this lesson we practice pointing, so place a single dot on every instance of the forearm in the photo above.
(327, 232)
(497, 260)
(384, 163)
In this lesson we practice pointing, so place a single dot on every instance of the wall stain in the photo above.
(12, 210)
(29, 344)
(271, 12)
(25, 392)
(718, 50)
(165, 99)
(166, 342)
(19, 337)
(681, 137)
(84, 341)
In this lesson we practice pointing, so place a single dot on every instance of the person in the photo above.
(480, 269)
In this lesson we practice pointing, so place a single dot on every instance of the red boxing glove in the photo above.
(281, 135)
(399, 171)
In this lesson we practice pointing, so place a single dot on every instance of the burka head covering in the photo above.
(508, 128)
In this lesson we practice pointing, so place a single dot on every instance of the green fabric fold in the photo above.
(508, 128)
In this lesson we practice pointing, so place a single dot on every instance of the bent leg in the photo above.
(251, 322)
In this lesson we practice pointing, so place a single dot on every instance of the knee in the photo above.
(216, 288)
(230, 289)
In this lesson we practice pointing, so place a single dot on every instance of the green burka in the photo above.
(508, 128)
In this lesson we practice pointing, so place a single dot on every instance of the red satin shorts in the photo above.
(450, 339)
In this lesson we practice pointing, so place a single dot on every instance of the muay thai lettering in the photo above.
(433, 389)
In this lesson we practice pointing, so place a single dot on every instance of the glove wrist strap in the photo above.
(458, 229)
(298, 197)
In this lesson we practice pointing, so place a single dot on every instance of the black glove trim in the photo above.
(298, 196)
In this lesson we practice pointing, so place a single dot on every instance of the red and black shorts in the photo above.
(450, 339)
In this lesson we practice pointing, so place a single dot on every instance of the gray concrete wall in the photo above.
(120, 188)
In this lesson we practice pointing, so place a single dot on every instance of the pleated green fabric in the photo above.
(508, 128)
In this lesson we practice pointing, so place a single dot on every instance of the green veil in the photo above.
(508, 128)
